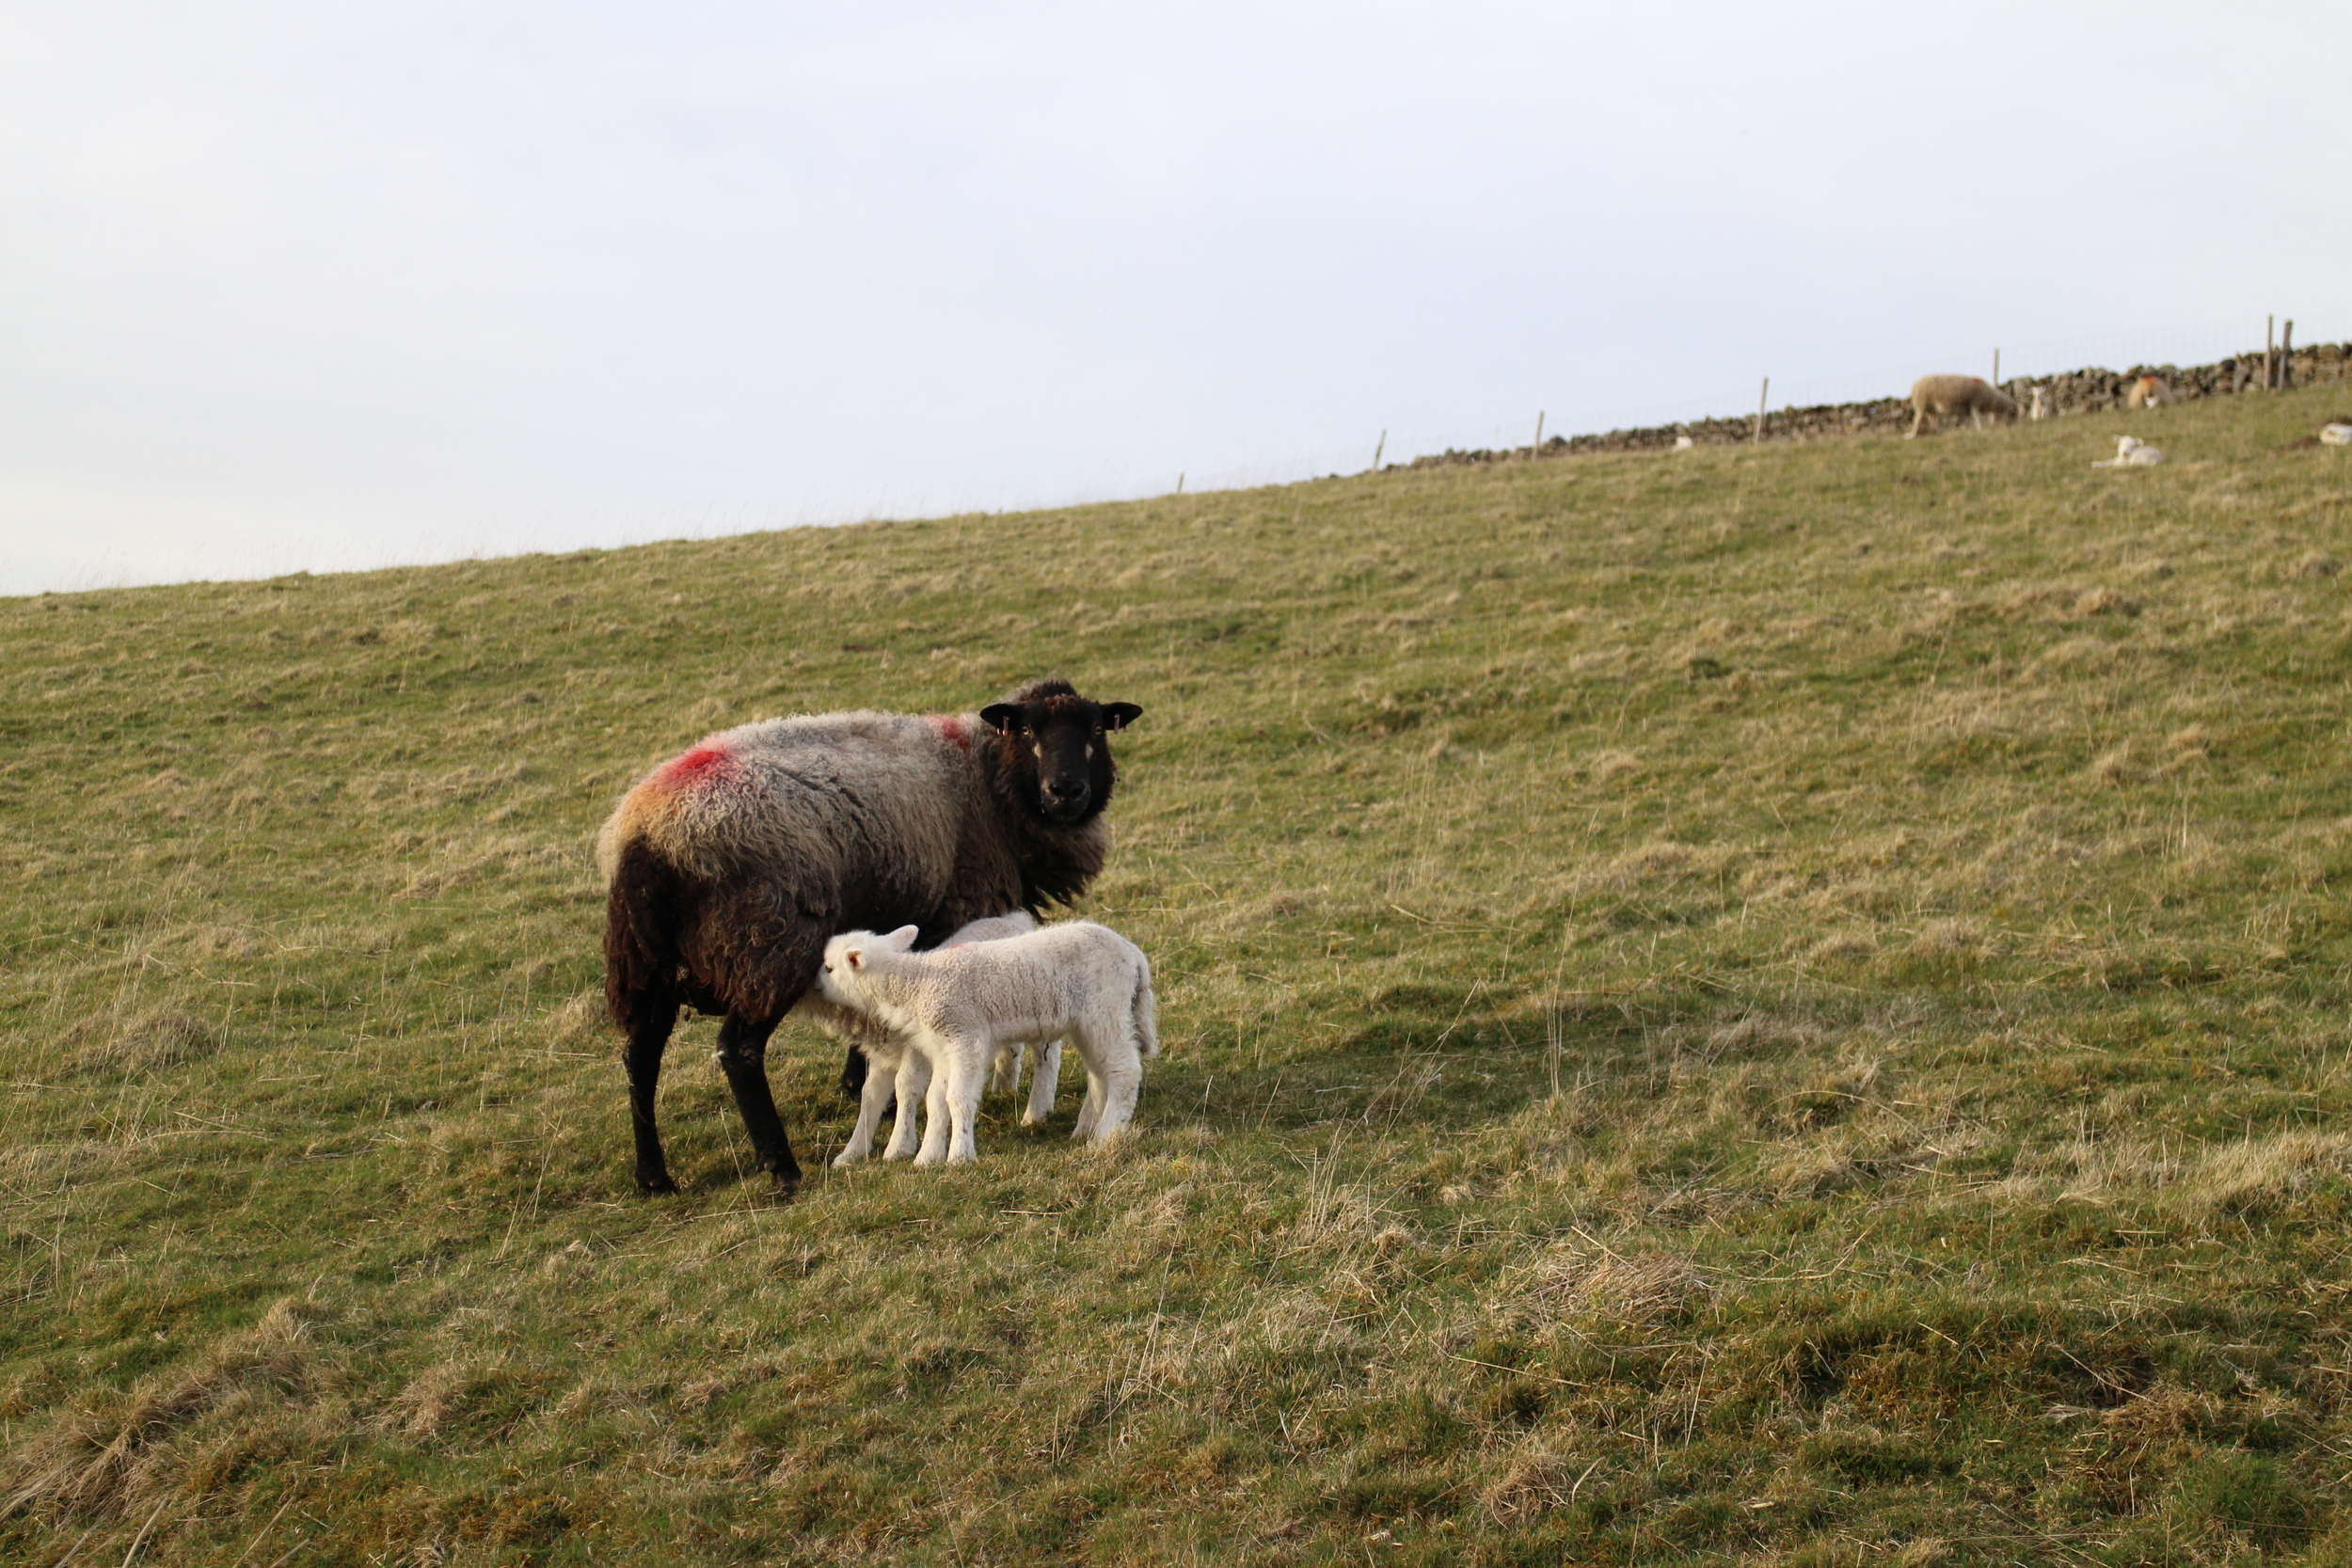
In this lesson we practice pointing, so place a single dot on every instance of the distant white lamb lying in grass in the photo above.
(894, 1069)
(2132, 453)
(956, 1005)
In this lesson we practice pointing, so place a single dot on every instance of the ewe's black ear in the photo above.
(1001, 717)
(1118, 716)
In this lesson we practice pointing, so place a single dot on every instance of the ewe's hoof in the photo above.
(657, 1186)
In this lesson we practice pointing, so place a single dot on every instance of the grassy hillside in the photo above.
(1743, 1003)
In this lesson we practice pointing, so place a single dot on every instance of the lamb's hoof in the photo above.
(656, 1185)
(787, 1183)
(844, 1160)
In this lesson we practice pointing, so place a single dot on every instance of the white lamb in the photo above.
(957, 1005)
(2132, 453)
(2045, 405)
(892, 1068)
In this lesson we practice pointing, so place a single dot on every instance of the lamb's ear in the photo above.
(903, 937)
(1001, 717)
(853, 957)
(1118, 716)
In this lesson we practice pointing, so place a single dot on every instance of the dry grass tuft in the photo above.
(85, 1459)
(582, 1021)
(2261, 1173)
(1535, 1478)
(1948, 940)
(435, 1397)
(108, 1046)
(1624, 1292)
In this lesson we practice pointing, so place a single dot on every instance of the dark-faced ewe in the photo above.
(728, 868)
(1971, 395)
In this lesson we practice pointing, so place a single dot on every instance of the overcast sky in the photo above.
(300, 286)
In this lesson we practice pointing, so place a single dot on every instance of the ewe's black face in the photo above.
(1058, 752)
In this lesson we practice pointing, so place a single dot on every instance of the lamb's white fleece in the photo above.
(957, 1005)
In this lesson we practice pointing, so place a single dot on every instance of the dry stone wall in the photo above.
(2084, 391)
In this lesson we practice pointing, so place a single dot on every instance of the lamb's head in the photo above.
(1053, 749)
(848, 960)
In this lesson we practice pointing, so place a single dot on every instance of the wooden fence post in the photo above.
(2286, 356)
(1536, 448)
(1761, 398)
(1377, 449)
(1997, 368)
(2270, 363)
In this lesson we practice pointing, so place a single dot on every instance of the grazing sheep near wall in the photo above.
(2148, 391)
(892, 1067)
(957, 1004)
(1971, 395)
(729, 867)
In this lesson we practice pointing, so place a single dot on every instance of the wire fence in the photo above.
(2195, 344)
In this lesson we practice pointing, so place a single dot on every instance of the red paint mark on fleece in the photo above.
(704, 764)
(951, 730)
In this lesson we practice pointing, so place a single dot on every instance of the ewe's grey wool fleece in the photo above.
(784, 790)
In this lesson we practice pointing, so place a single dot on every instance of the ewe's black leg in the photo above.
(645, 1044)
(743, 1057)
(854, 1073)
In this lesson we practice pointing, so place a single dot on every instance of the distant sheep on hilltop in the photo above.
(1971, 395)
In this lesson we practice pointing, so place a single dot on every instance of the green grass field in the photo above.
(1781, 1005)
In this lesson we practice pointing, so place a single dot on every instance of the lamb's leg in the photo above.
(967, 1074)
(874, 1095)
(914, 1078)
(935, 1113)
(854, 1073)
(743, 1057)
(959, 1068)
(645, 1044)
(1112, 1060)
(1005, 1072)
(1045, 1085)
(1091, 1109)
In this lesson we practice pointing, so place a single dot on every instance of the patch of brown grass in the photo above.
(88, 1459)
(108, 1046)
